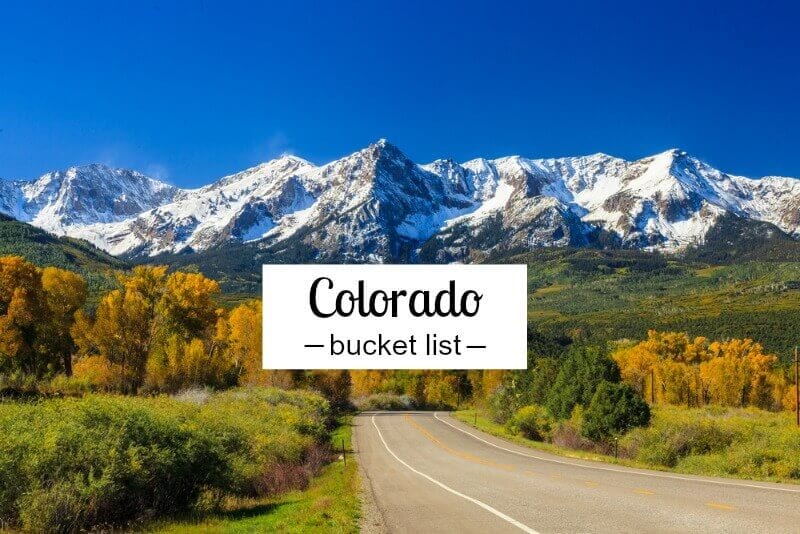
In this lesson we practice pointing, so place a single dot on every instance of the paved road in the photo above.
(430, 473)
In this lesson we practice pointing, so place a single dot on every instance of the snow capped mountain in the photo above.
(62, 201)
(241, 206)
(378, 205)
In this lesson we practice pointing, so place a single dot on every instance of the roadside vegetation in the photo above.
(669, 401)
(745, 443)
(68, 465)
(329, 504)
(151, 403)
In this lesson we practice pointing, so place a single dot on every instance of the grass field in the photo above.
(329, 504)
(728, 442)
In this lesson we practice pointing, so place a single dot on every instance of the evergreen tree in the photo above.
(614, 409)
(584, 368)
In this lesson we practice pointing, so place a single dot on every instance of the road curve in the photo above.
(430, 473)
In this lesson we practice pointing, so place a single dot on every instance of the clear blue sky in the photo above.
(194, 90)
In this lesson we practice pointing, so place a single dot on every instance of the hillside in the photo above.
(714, 291)
(735, 239)
(237, 267)
(609, 295)
(44, 249)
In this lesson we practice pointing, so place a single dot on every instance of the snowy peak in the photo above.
(86, 194)
(242, 206)
(261, 175)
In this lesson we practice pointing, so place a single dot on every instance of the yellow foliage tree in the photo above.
(121, 333)
(739, 374)
(491, 380)
(636, 365)
(689, 371)
(99, 372)
(186, 306)
(677, 381)
(37, 310)
(160, 327)
(21, 297)
(244, 339)
(366, 382)
(65, 294)
(179, 364)
(440, 389)
(789, 400)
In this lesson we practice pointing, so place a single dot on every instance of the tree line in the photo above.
(674, 368)
(154, 332)
(157, 331)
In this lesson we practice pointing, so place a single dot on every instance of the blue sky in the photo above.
(189, 91)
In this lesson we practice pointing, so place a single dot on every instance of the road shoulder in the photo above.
(372, 520)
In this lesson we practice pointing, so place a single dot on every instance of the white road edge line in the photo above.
(483, 505)
(629, 471)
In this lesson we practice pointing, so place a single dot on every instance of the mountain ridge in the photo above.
(378, 205)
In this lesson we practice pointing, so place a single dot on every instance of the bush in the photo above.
(695, 433)
(614, 409)
(103, 461)
(75, 464)
(533, 422)
(567, 433)
(385, 401)
(97, 371)
(523, 388)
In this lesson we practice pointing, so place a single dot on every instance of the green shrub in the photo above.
(533, 422)
(503, 403)
(74, 464)
(523, 388)
(678, 433)
(614, 409)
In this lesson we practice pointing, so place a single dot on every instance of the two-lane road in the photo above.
(430, 473)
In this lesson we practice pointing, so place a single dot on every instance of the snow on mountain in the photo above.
(242, 206)
(666, 201)
(378, 205)
(62, 201)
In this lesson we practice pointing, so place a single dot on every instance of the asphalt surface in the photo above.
(428, 472)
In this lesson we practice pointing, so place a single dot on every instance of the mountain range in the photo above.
(377, 205)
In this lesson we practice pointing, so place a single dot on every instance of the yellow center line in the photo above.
(720, 506)
(592, 483)
(642, 491)
(555, 477)
(461, 454)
